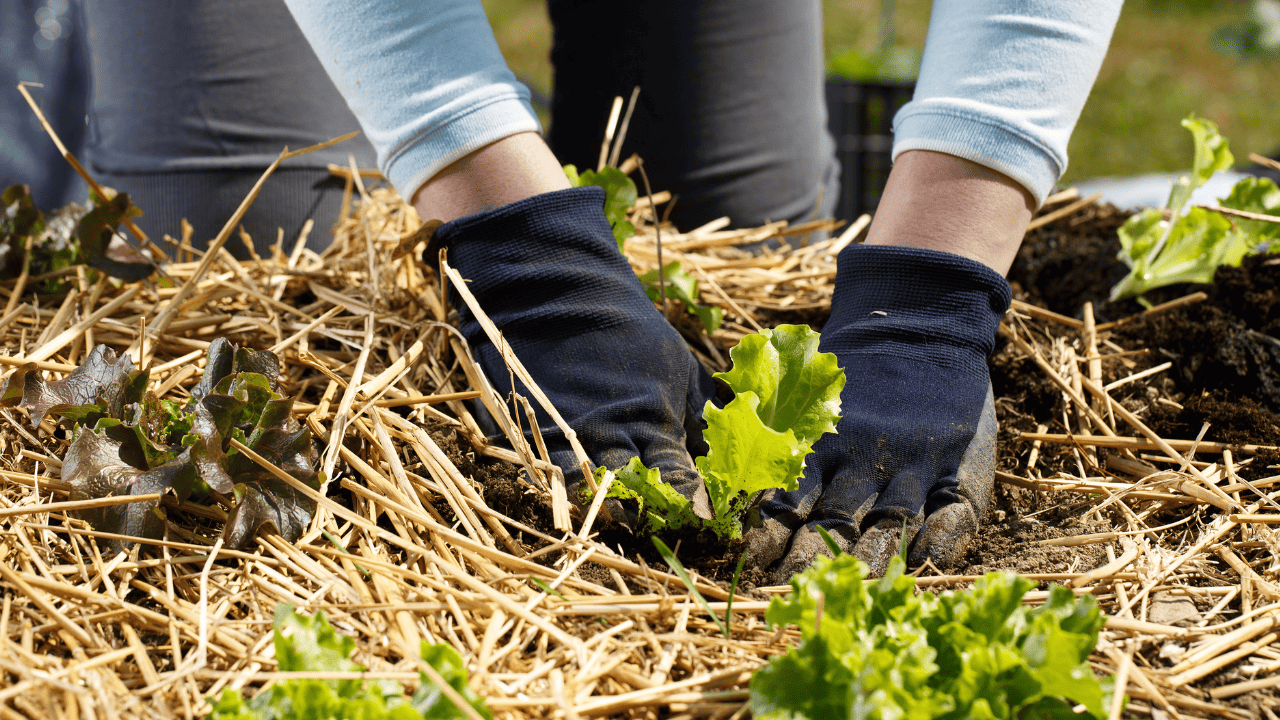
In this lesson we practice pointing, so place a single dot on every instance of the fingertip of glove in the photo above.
(944, 540)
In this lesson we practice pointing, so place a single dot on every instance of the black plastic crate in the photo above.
(860, 117)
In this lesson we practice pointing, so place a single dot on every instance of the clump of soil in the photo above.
(1062, 265)
(1009, 539)
(1224, 344)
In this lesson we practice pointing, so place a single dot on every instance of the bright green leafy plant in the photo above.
(880, 650)
(1190, 246)
(310, 644)
(619, 197)
(786, 395)
(680, 285)
(126, 441)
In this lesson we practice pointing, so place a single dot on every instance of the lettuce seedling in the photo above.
(126, 441)
(72, 236)
(786, 395)
(680, 285)
(619, 197)
(881, 650)
(310, 644)
(1190, 246)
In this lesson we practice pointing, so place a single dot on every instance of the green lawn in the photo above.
(1160, 67)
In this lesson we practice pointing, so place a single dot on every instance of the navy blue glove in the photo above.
(915, 445)
(548, 273)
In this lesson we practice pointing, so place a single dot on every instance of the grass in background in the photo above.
(1159, 68)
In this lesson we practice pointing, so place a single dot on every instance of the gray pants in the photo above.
(731, 118)
(188, 108)
(41, 42)
(187, 111)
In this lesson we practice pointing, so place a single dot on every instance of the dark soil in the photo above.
(1226, 371)
(1062, 265)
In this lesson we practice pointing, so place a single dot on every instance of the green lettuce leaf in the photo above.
(745, 457)
(1194, 247)
(881, 650)
(1190, 247)
(310, 644)
(1212, 154)
(787, 394)
(798, 386)
(682, 286)
(620, 197)
(660, 506)
(429, 700)
(1256, 195)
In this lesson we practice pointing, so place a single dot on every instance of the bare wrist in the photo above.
(511, 169)
(943, 202)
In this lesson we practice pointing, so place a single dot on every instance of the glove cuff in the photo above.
(580, 204)
(915, 303)
(543, 216)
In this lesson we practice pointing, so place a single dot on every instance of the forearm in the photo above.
(425, 79)
(984, 139)
(511, 169)
(1003, 83)
(943, 202)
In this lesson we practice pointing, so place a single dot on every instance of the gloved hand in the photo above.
(548, 273)
(915, 444)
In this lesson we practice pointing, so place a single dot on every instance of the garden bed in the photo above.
(429, 532)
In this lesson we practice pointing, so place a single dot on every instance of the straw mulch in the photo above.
(405, 547)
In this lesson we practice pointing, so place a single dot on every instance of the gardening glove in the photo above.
(548, 273)
(915, 444)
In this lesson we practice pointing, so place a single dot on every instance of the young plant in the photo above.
(619, 197)
(786, 395)
(680, 285)
(1190, 246)
(71, 237)
(126, 441)
(310, 644)
(881, 650)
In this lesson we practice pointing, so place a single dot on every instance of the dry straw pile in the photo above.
(405, 548)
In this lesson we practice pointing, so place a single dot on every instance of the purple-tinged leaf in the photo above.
(209, 429)
(136, 448)
(102, 386)
(95, 232)
(221, 354)
(262, 362)
(94, 469)
(261, 497)
(252, 389)
(12, 393)
(269, 501)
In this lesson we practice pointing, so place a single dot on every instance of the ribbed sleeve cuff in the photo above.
(981, 140)
(425, 155)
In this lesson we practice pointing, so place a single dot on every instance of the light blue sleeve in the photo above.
(425, 79)
(1003, 83)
